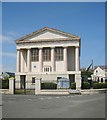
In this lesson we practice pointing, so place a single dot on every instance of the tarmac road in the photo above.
(32, 106)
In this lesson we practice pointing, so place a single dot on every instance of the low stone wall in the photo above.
(4, 91)
(93, 91)
(69, 91)
(54, 92)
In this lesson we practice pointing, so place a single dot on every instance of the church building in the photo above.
(48, 54)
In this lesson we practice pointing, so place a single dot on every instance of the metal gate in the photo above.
(24, 87)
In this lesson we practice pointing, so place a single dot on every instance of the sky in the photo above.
(86, 20)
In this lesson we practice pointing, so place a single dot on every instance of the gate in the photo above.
(24, 87)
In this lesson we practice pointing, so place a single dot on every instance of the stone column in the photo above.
(65, 59)
(53, 59)
(28, 60)
(11, 85)
(18, 61)
(22, 61)
(76, 58)
(37, 86)
(40, 60)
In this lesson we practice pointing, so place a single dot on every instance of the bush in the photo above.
(105, 85)
(48, 86)
(85, 85)
(73, 85)
(99, 85)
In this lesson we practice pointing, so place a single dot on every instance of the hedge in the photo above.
(48, 86)
(99, 85)
(85, 85)
(73, 85)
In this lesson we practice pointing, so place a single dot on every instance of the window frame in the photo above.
(47, 54)
(34, 54)
(59, 54)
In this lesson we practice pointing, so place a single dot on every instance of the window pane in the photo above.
(33, 80)
(59, 54)
(46, 54)
(34, 54)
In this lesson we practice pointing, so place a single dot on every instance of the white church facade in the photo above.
(48, 54)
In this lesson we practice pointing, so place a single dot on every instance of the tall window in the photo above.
(34, 54)
(59, 54)
(46, 54)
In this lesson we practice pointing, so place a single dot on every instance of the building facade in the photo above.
(48, 54)
(100, 74)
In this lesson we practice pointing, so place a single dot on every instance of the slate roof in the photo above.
(68, 35)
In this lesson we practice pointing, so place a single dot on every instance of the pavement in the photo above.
(66, 106)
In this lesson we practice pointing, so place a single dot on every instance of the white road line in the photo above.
(12, 98)
(30, 99)
(41, 98)
(57, 97)
(49, 98)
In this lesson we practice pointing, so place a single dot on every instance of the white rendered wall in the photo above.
(99, 72)
(35, 67)
(59, 66)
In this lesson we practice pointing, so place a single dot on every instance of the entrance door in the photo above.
(23, 81)
(72, 78)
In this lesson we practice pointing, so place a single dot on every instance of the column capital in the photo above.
(28, 48)
(40, 47)
(18, 49)
(52, 47)
(65, 46)
(77, 46)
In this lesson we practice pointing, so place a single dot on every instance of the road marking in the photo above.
(49, 98)
(30, 99)
(57, 97)
(41, 98)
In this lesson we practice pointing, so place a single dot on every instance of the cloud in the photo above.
(9, 37)
(8, 54)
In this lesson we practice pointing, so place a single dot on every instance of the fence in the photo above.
(26, 87)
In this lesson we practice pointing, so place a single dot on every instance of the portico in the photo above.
(49, 54)
(27, 52)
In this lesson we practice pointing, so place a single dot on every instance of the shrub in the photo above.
(48, 86)
(99, 85)
(105, 85)
(73, 85)
(85, 85)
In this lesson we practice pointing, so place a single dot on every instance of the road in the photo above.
(32, 106)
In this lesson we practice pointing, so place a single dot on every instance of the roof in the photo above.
(68, 35)
(11, 74)
(103, 67)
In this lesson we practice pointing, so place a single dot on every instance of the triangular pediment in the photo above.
(47, 34)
